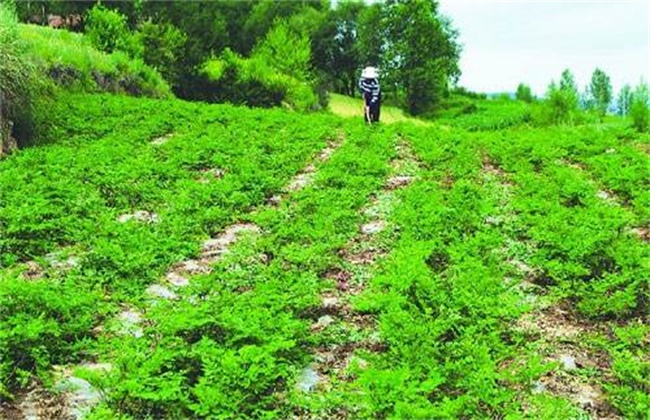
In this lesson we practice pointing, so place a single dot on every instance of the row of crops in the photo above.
(494, 234)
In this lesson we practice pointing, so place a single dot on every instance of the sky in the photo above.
(508, 42)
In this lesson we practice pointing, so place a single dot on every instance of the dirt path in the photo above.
(344, 330)
(556, 330)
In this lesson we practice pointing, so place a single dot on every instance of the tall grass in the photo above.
(15, 72)
(71, 60)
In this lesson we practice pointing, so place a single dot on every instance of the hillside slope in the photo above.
(204, 261)
(69, 60)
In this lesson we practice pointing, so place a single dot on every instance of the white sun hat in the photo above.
(370, 73)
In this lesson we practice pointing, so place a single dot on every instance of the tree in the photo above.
(286, 51)
(524, 93)
(562, 104)
(163, 46)
(624, 100)
(568, 83)
(640, 108)
(600, 89)
(563, 100)
(371, 35)
(335, 45)
(108, 31)
(422, 53)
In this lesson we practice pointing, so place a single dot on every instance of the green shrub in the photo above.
(524, 93)
(41, 323)
(286, 52)
(254, 82)
(108, 32)
(561, 106)
(640, 109)
(163, 44)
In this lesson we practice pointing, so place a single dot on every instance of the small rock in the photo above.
(494, 220)
(177, 280)
(157, 290)
(54, 259)
(610, 150)
(522, 266)
(328, 151)
(568, 362)
(309, 169)
(79, 393)
(299, 182)
(130, 321)
(603, 195)
(330, 302)
(373, 227)
(275, 200)
(140, 216)
(322, 323)
(538, 387)
(308, 379)
(398, 181)
(194, 267)
(587, 395)
(162, 139)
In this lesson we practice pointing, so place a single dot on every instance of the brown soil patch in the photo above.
(33, 272)
(642, 232)
(211, 174)
(215, 248)
(363, 257)
(36, 403)
(398, 181)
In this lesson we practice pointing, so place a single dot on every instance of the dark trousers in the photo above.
(374, 109)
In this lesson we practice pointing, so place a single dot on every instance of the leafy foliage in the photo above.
(107, 31)
(524, 93)
(601, 90)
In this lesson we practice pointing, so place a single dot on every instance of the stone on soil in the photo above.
(159, 291)
(373, 227)
(308, 379)
(80, 395)
(130, 321)
(568, 362)
(139, 216)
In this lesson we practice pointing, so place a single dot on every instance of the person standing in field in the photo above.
(371, 93)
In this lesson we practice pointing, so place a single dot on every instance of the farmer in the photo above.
(369, 88)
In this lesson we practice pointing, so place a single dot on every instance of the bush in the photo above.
(41, 323)
(524, 93)
(163, 44)
(285, 51)
(562, 105)
(640, 109)
(108, 32)
(253, 82)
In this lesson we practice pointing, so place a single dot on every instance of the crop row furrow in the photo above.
(342, 331)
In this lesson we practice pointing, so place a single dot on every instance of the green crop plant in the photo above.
(503, 222)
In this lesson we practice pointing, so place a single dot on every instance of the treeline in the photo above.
(268, 53)
(564, 103)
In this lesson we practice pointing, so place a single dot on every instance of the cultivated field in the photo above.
(165, 259)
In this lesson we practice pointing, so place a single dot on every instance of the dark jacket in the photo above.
(370, 90)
